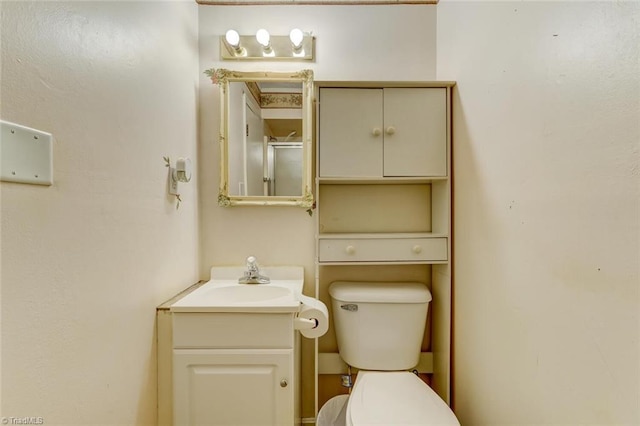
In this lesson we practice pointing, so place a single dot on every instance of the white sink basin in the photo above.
(247, 293)
(223, 293)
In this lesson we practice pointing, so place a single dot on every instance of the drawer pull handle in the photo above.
(417, 249)
(283, 383)
(376, 132)
(350, 249)
(391, 130)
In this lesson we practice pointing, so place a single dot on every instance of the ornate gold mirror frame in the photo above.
(231, 132)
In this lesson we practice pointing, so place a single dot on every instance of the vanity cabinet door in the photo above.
(384, 132)
(233, 387)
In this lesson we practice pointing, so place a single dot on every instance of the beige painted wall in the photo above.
(547, 219)
(85, 262)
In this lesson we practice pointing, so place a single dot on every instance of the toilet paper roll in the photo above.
(315, 310)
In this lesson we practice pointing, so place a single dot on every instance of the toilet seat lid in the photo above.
(396, 398)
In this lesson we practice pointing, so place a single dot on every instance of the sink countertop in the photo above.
(206, 299)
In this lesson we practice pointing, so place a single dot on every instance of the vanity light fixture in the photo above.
(297, 37)
(265, 41)
(233, 40)
(298, 45)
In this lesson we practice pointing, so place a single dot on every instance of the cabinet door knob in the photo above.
(417, 249)
(283, 383)
(390, 130)
(350, 249)
(376, 132)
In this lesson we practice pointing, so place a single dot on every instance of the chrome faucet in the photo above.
(252, 274)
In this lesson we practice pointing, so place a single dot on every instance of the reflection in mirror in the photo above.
(268, 158)
(265, 138)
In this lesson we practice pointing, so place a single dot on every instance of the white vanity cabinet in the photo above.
(383, 191)
(376, 132)
(234, 369)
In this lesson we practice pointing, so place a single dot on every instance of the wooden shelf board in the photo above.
(393, 262)
(378, 180)
(379, 235)
(382, 84)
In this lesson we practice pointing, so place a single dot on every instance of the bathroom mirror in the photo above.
(265, 137)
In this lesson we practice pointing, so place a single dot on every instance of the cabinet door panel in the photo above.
(233, 387)
(415, 136)
(348, 118)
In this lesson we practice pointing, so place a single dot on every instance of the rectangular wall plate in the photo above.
(26, 155)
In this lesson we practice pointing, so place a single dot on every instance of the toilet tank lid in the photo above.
(380, 292)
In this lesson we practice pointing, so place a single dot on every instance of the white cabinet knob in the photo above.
(417, 249)
(390, 130)
(283, 383)
(350, 249)
(376, 132)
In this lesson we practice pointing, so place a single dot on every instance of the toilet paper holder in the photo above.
(304, 323)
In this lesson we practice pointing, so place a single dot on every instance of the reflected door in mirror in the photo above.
(265, 139)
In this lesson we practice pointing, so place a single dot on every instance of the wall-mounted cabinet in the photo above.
(383, 192)
(376, 132)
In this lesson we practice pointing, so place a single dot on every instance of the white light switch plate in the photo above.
(26, 155)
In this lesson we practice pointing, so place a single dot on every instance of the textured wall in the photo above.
(85, 262)
(547, 218)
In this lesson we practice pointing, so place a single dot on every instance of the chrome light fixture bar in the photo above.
(297, 46)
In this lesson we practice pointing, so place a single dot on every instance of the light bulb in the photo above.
(296, 36)
(263, 37)
(233, 38)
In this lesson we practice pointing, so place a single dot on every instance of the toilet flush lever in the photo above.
(351, 307)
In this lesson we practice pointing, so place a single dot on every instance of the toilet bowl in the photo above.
(395, 398)
(379, 328)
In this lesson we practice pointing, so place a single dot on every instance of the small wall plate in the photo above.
(26, 155)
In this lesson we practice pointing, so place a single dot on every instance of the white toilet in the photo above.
(379, 328)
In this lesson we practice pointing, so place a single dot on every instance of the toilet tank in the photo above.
(379, 326)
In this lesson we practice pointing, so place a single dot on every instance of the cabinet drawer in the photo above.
(232, 330)
(382, 249)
